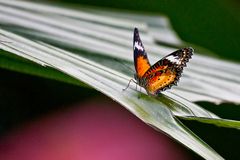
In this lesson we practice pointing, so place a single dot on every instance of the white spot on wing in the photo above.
(173, 59)
(138, 46)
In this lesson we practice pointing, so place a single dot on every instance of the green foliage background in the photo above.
(212, 24)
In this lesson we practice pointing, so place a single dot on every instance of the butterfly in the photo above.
(163, 74)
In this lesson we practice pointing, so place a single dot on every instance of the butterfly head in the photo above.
(141, 81)
(137, 79)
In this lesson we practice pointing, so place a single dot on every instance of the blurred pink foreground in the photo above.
(97, 130)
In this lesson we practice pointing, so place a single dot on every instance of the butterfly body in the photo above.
(163, 74)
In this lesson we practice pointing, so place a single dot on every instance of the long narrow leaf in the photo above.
(93, 47)
(150, 110)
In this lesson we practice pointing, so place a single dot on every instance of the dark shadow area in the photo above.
(225, 141)
(25, 97)
(224, 110)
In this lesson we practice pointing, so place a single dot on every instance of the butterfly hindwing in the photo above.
(141, 61)
(161, 80)
(166, 72)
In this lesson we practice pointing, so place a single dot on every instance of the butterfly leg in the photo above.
(131, 80)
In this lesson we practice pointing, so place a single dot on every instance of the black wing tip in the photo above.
(135, 30)
(137, 41)
(189, 51)
(136, 36)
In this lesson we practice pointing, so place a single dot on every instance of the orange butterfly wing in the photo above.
(160, 81)
(141, 62)
(166, 72)
(163, 74)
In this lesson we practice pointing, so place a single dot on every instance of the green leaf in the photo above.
(92, 48)
(16, 63)
(218, 122)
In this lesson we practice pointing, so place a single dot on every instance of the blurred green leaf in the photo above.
(212, 24)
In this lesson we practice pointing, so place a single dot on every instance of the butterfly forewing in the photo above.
(140, 56)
